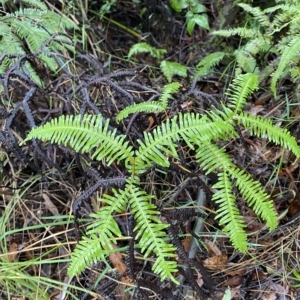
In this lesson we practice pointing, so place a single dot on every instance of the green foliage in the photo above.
(151, 106)
(196, 13)
(31, 28)
(201, 133)
(207, 63)
(168, 68)
(146, 48)
(106, 7)
(171, 68)
(167, 92)
(260, 36)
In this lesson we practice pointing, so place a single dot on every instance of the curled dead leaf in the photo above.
(216, 263)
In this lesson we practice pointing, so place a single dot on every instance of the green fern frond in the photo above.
(85, 135)
(257, 13)
(155, 147)
(257, 45)
(101, 234)
(146, 48)
(204, 65)
(151, 232)
(242, 32)
(262, 127)
(211, 157)
(30, 28)
(255, 196)
(151, 107)
(228, 214)
(245, 61)
(89, 251)
(159, 144)
(167, 92)
(53, 21)
(239, 91)
(287, 17)
(171, 68)
(289, 54)
(32, 3)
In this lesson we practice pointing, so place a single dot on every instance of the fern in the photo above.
(82, 136)
(201, 133)
(263, 127)
(242, 32)
(257, 13)
(260, 38)
(239, 91)
(228, 213)
(99, 246)
(167, 92)
(170, 68)
(289, 55)
(204, 66)
(34, 28)
(151, 106)
(146, 48)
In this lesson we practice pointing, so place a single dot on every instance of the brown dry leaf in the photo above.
(216, 263)
(271, 296)
(50, 206)
(234, 293)
(212, 248)
(12, 252)
(294, 206)
(239, 272)
(151, 122)
(233, 281)
(263, 98)
(252, 223)
(186, 244)
(117, 260)
(199, 279)
(254, 110)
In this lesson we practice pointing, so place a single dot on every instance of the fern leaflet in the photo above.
(170, 68)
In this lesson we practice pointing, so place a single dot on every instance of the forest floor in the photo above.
(38, 189)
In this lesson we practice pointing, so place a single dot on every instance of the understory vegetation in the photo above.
(149, 149)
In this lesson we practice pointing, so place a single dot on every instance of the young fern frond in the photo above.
(257, 13)
(146, 48)
(171, 68)
(242, 32)
(205, 65)
(212, 158)
(239, 91)
(85, 135)
(262, 127)
(289, 55)
(167, 92)
(189, 127)
(257, 198)
(151, 106)
(228, 214)
(102, 233)
(151, 232)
